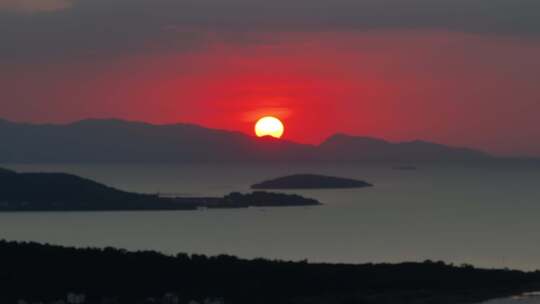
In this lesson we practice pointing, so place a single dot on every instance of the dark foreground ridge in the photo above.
(310, 181)
(34, 272)
(66, 192)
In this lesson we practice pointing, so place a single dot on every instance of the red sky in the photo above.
(448, 86)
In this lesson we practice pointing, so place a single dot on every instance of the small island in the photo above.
(310, 181)
(66, 192)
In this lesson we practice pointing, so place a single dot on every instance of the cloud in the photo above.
(117, 27)
(32, 6)
(495, 16)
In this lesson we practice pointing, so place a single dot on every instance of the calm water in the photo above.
(524, 299)
(486, 215)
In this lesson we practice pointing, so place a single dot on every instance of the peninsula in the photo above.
(66, 192)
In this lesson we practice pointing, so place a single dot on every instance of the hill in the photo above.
(124, 141)
(45, 273)
(66, 192)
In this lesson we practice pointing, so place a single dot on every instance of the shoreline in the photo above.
(67, 192)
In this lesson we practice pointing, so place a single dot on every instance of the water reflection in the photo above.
(527, 298)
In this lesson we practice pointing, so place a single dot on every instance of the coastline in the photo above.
(67, 192)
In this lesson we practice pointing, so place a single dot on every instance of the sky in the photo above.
(458, 72)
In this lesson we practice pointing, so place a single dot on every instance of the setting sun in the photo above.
(269, 126)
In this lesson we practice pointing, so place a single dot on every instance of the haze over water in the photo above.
(484, 214)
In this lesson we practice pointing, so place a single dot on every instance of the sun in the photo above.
(269, 126)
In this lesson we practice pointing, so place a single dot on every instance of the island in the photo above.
(38, 273)
(310, 181)
(67, 192)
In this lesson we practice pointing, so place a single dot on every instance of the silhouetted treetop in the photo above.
(43, 272)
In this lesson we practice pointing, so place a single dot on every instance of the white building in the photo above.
(75, 298)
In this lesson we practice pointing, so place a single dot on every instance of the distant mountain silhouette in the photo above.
(347, 147)
(113, 140)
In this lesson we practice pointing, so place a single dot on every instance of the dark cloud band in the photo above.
(117, 26)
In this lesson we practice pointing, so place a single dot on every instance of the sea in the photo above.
(485, 214)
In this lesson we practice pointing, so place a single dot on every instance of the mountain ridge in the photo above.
(117, 140)
(365, 147)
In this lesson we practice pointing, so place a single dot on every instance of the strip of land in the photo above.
(66, 192)
(44, 273)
